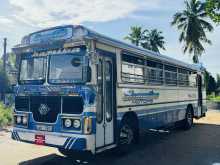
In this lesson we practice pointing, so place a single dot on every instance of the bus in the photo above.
(84, 93)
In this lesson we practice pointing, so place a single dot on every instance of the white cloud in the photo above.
(5, 21)
(53, 12)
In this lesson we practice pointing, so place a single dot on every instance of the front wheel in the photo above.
(74, 155)
(128, 136)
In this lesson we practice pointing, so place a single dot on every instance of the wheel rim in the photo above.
(189, 117)
(126, 135)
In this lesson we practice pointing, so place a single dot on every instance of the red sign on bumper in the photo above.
(40, 139)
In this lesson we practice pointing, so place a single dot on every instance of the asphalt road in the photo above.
(198, 146)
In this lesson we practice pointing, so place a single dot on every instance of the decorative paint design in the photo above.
(43, 109)
(51, 35)
(87, 93)
(140, 97)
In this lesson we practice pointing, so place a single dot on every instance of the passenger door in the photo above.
(200, 97)
(105, 102)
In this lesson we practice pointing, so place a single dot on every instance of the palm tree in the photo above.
(193, 26)
(213, 10)
(153, 40)
(135, 35)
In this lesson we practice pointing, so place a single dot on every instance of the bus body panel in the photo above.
(154, 105)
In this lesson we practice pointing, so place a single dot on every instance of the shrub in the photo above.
(213, 98)
(6, 116)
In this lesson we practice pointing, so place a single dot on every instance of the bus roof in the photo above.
(68, 32)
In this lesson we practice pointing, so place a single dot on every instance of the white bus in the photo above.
(83, 92)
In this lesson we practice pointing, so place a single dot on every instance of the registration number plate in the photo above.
(44, 128)
(40, 139)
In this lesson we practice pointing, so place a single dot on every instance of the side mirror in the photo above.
(89, 74)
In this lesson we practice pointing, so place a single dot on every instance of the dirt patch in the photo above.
(212, 117)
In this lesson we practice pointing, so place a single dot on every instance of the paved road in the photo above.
(199, 146)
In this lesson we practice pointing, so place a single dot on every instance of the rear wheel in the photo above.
(187, 123)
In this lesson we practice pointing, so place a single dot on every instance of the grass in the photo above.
(213, 98)
(6, 116)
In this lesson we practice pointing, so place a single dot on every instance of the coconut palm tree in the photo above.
(153, 40)
(193, 25)
(135, 35)
(213, 10)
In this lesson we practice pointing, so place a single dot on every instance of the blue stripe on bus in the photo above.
(146, 111)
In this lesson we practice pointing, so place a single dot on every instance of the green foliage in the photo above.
(148, 39)
(214, 98)
(7, 79)
(135, 35)
(193, 26)
(218, 81)
(210, 83)
(4, 81)
(153, 40)
(6, 116)
(213, 10)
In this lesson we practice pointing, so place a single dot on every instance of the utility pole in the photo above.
(4, 64)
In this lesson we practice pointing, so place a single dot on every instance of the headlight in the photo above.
(67, 123)
(24, 121)
(76, 123)
(18, 120)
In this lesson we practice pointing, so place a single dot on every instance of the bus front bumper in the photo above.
(68, 141)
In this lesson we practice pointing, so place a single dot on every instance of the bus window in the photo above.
(154, 73)
(183, 77)
(132, 69)
(193, 79)
(170, 75)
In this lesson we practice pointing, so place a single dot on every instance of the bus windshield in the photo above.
(32, 69)
(66, 68)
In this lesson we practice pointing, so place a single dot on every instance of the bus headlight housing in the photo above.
(76, 123)
(87, 125)
(18, 119)
(24, 120)
(67, 123)
(21, 119)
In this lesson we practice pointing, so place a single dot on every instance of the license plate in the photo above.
(44, 128)
(40, 139)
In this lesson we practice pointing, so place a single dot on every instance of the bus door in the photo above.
(105, 102)
(200, 97)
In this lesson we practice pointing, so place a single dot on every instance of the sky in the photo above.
(110, 17)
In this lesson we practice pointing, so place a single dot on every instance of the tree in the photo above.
(148, 39)
(211, 85)
(218, 81)
(135, 36)
(213, 10)
(4, 82)
(193, 25)
(6, 78)
(153, 40)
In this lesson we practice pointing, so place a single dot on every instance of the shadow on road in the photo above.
(200, 145)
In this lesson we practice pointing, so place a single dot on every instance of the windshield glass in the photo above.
(32, 69)
(66, 68)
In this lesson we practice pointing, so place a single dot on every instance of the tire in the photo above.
(128, 135)
(187, 123)
(65, 152)
(73, 155)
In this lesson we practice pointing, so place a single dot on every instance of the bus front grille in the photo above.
(22, 103)
(45, 108)
(73, 105)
